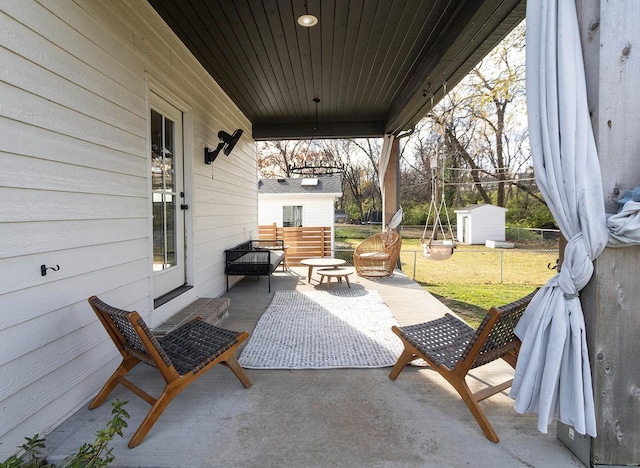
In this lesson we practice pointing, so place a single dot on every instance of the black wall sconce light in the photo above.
(227, 142)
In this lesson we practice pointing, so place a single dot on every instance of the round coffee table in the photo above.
(338, 273)
(321, 263)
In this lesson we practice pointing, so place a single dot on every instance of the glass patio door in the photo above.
(166, 193)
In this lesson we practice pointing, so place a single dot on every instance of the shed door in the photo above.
(167, 196)
(466, 230)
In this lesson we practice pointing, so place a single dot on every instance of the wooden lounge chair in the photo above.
(377, 256)
(453, 348)
(181, 356)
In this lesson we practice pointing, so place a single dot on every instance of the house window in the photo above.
(292, 216)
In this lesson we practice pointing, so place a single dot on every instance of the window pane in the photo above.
(158, 232)
(156, 150)
(164, 191)
(170, 210)
(292, 216)
(169, 148)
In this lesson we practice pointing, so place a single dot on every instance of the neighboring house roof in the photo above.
(306, 185)
(469, 208)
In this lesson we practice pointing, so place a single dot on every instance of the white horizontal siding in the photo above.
(270, 210)
(75, 189)
(316, 210)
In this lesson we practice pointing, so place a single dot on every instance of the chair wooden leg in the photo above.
(123, 369)
(511, 358)
(238, 371)
(463, 390)
(404, 359)
(150, 419)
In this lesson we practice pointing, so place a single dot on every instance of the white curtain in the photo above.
(553, 374)
(385, 154)
(624, 227)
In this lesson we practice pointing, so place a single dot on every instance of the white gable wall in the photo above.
(75, 188)
(317, 209)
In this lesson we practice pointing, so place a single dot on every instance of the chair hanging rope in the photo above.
(434, 248)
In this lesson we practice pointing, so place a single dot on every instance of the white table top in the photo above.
(323, 262)
(335, 271)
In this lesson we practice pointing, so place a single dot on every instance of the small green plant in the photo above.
(97, 454)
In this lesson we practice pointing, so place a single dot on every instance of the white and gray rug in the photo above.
(323, 329)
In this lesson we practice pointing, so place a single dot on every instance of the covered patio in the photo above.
(86, 87)
(333, 417)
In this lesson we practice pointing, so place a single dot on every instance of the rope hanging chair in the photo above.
(434, 248)
(437, 249)
(377, 256)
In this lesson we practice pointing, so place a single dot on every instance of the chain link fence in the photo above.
(521, 235)
(532, 262)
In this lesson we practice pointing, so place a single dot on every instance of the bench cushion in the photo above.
(255, 263)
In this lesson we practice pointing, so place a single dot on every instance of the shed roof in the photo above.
(324, 185)
(470, 208)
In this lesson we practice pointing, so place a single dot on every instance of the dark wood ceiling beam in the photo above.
(305, 131)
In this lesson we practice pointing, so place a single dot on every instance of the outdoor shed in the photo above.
(298, 202)
(478, 223)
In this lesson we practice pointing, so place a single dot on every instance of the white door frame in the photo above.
(165, 311)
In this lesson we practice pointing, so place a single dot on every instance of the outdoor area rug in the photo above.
(323, 329)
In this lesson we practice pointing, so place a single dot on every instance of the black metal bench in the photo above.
(254, 258)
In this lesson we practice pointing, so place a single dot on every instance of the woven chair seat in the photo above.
(452, 348)
(443, 340)
(195, 344)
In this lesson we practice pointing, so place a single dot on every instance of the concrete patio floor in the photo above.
(321, 418)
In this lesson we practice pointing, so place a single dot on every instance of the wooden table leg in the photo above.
(346, 277)
(309, 274)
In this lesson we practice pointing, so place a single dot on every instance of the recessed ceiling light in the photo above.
(307, 20)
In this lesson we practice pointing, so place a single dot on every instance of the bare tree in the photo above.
(359, 188)
(276, 158)
(481, 125)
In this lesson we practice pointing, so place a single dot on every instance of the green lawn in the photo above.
(471, 302)
(476, 277)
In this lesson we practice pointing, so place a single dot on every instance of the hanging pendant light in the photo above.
(323, 168)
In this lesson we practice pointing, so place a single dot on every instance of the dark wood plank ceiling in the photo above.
(374, 64)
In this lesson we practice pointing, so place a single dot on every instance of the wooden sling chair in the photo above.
(453, 348)
(181, 356)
